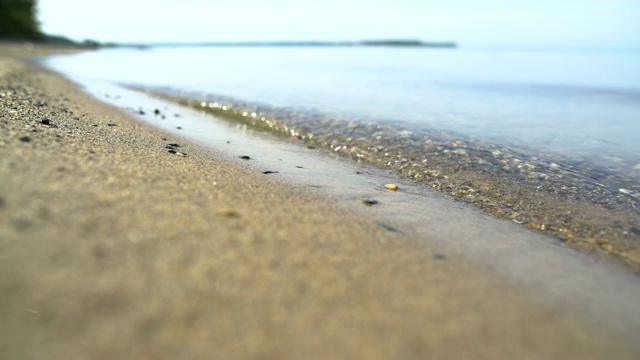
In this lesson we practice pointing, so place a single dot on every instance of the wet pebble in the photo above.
(179, 153)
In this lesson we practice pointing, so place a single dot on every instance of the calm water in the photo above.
(571, 103)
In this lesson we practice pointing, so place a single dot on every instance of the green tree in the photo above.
(18, 20)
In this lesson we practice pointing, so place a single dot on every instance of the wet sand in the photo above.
(589, 204)
(112, 247)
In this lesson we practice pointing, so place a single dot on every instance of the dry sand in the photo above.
(111, 247)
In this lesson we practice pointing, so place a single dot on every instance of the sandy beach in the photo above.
(113, 247)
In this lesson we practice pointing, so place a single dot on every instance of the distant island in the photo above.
(380, 43)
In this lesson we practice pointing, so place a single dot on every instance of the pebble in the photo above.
(179, 153)
(25, 139)
(176, 145)
(245, 157)
(370, 202)
(45, 121)
(228, 213)
(269, 172)
(393, 187)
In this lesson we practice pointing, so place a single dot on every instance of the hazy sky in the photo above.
(469, 22)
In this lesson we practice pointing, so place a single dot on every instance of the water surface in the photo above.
(574, 103)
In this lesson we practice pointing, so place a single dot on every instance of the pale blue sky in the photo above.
(469, 22)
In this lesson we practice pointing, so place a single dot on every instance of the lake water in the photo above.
(575, 103)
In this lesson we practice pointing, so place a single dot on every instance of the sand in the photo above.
(112, 247)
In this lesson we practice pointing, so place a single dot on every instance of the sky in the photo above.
(612, 23)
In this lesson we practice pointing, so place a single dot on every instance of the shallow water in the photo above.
(580, 104)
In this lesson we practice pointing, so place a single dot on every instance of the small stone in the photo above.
(228, 213)
(112, 124)
(25, 139)
(269, 172)
(370, 202)
(175, 145)
(179, 127)
(179, 153)
(156, 111)
(45, 121)
(245, 157)
(393, 187)
(387, 227)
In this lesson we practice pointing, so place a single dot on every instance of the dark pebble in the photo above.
(387, 227)
(179, 127)
(156, 111)
(439, 257)
(25, 139)
(370, 202)
(46, 121)
(245, 157)
(180, 153)
(300, 167)
(174, 145)
(269, 172)
(112, 124)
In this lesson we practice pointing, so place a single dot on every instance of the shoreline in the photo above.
(589, 207)
(114, 247)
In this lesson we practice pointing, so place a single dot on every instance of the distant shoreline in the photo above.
(376, 43)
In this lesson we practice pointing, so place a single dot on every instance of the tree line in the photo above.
(18, 20)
